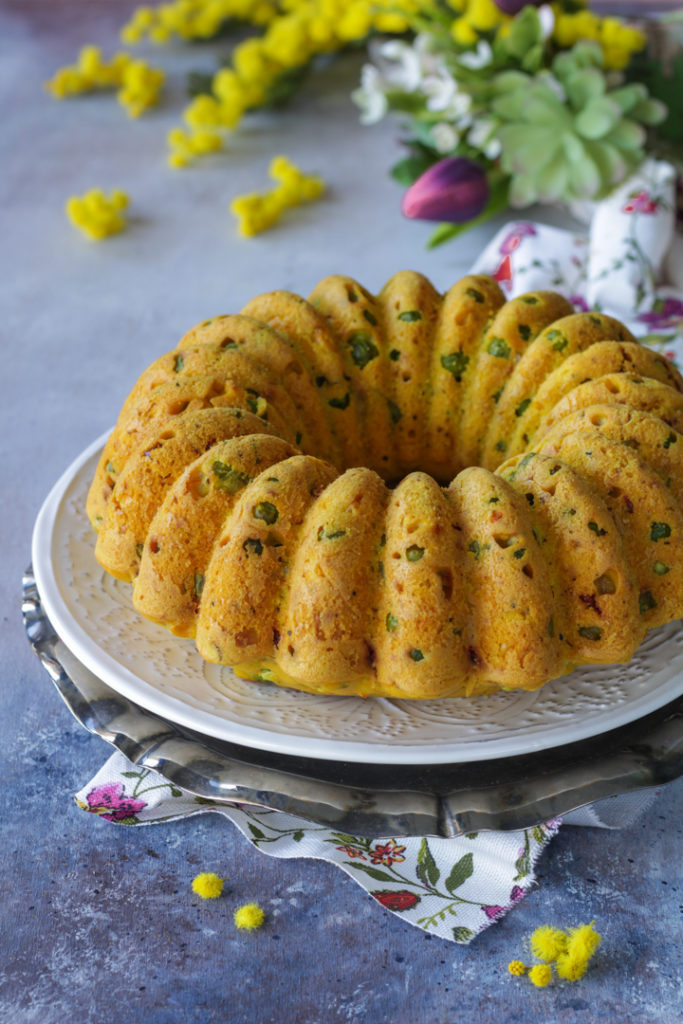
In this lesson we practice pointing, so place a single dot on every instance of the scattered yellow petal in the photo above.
(97, 215)
(583, 941)
(540, 975)
(571, 968)
(258, 211)
(207, 885)
(249, 917)
(547, 943)
(139, 84)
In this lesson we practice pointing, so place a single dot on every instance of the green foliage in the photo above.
(565, 134)
(663, 83)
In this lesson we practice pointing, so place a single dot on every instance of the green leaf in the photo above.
(131, 775)
(461, 871)
(523, 190)
(345, 839)
(462, 934)
(650, 111)
(628, 95)
(176, 792)
(406, 171)
(256, 832)
(524, 33)
(426, 869)
(523, 866)
(281, 89)
(585, 178)
(199, 83)
(533, 58)
(298, 835)
(584, 86)
(627, 135)
(380, 876)
(597, 118)
(552, 179)
(665, 86)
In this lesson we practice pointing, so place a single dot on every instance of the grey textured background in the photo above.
(97, 923)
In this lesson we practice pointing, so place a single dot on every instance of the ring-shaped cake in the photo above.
(409, 494)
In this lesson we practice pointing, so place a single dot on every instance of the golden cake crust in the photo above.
(405, 494)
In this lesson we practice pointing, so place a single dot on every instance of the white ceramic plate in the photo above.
(94, 616)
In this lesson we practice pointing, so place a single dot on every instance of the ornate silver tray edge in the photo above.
(369, 800)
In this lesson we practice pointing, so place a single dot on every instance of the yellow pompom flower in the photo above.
(619, 42)
(249, 917)
(187, 146)
(251, 62)
(141, 86)
(463, 32)
(547, 943)
(570, 968)
(484, 15)
(355, 22)
(540, 975)
(258, 211)
(517, 968)
(96, 214)
(583, 941)
(295, 186)
(207, 885)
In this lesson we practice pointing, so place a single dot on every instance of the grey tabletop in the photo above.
(98, 923)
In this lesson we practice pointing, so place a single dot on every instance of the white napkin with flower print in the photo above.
(456, 888)
(629, 264)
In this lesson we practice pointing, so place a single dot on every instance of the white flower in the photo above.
(444, 137)
(370, 96)
(481, 136)
(459, 109)
(399, 64)
(430, 61)
(479, 58)
(439, 89)
(546, 16)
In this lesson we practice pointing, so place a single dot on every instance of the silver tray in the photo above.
(374, 799)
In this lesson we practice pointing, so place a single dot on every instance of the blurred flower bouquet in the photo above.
(510, 104)
(504, 103)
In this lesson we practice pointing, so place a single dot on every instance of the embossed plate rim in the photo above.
(221, 724)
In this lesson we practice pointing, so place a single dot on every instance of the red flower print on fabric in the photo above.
(111, 802)
(387, 853)
(399, 899)
(351, 851)
(640, 202)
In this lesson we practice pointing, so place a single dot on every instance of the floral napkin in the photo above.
(455, 888)
(629, 264)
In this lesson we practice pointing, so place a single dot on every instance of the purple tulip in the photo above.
(454, 189)
(515, 6)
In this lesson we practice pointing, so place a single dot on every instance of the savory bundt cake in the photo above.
(405, 495)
